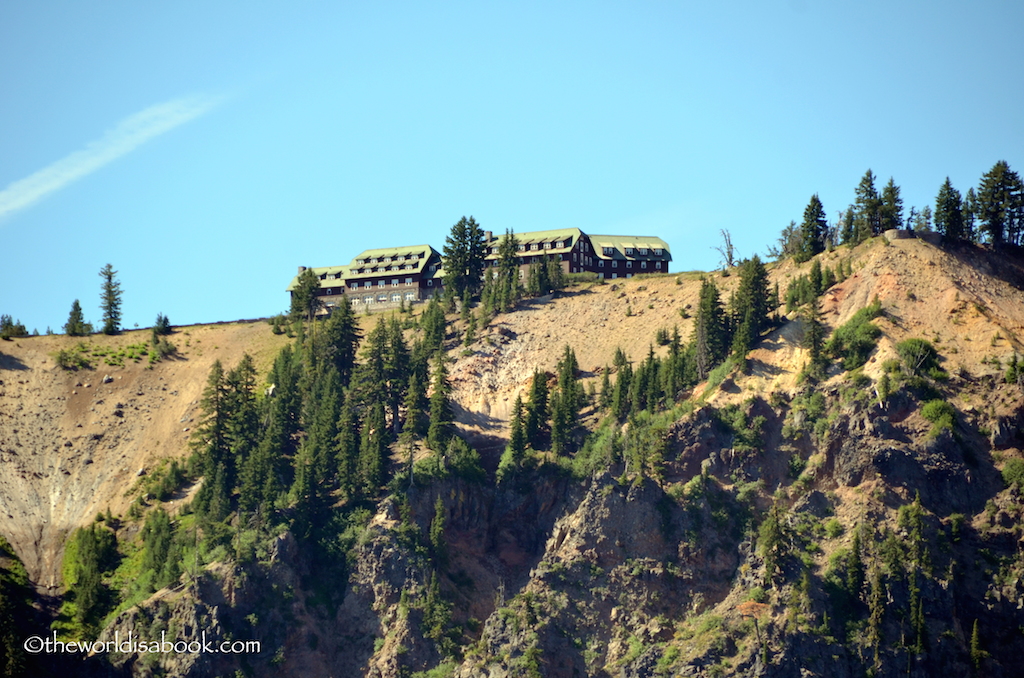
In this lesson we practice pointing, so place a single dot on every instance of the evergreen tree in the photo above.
(891, 209)
(922, 222)
(76, 325)
(867, 207)
(338, 340)
(242, 420)
(305, 299)
(508, 288)
(565, 402)
(750, 305)
(710, 333)
(846, 226)
(949, 218)
(438, 545)
(970, 209)
(415, 408)
(606, 388)
(814, 337)
(373, 450)
(537, 409)
(1000, 205)
(210, 439)
(812, 230)
(463, 258)
(441, 416)
(432, 323)
(346, 448)
(110, 300)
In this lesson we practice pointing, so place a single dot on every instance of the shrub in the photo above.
(918, 355)
(940, 413)
(853, 341)
(72, 358)
(1013, 473)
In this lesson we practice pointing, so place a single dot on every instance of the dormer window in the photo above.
(608, 251)
(629, 250)
(534, 246)
(657, 251)
(547, 245)
(643, 250)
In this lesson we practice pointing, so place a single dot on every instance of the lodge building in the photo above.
(609, 256)
(384, 278)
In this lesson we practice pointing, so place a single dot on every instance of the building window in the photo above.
(394, 282)
(396, 297)
(657, 251)
(522, 248)
(629, 250)
(608, 251)
(601, 276)
(629, 264)
(382, 298)
(615, 275)
(600, 263)
(408, 281)
(410, 296)
(380, 283)
(574, 256)
(329, 291)
(534, 246)
(387, 260)
(354, 286)
(643, 264)
(547, 245)
(615, 264)
(629, 275)
(430, 283)
(643, 250)
(657, 264)
(367, 283)
(367, 300)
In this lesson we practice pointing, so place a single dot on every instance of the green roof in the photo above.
(351, 272)
(620, 242)
(570, 235)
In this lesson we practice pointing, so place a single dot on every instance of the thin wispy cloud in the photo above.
(122, 139)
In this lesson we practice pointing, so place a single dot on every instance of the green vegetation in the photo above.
(941, 414)
(853, 341)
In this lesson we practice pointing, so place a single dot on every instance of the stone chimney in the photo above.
(488, 236)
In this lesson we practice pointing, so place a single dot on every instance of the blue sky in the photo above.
(207, 149)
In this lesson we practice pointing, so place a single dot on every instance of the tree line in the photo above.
(993, 213)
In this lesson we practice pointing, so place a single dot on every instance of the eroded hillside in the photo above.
(767, 523)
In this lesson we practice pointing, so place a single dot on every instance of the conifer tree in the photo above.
(373, 450)
(710, 335)
(813, 230)
(438, 545)
(305, 301)
(441, 416)
(537, 409)
(866, 220)
(110, 300)
(1000, 205)
(76, 325)
(890, 213)
(337, 341)
(565, 402)
(463, 258)
(949, 218)
(346, 447)
(415, 408)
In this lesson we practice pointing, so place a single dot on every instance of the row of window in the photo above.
(383, 298)
(388, 260)
(629, 264)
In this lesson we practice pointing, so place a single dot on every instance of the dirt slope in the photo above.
(73, 443)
